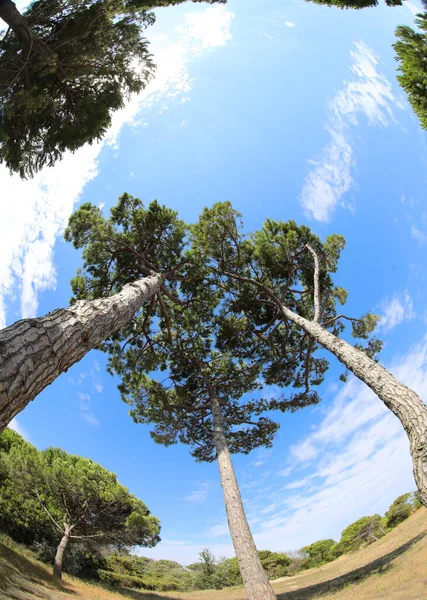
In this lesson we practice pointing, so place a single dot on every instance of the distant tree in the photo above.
(411, 50)
(65, 67)
(34, 352)
(364, 531)
(207, 561)
(319, 552)
(355, 4)
(281, 281)
(274, 563)
(82, 500)
(401, 509)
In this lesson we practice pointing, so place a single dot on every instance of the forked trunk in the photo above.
(401, 400)
(254, 577)
(34, 352)
(59, 557)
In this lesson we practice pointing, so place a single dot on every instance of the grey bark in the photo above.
(408, 407)
(34, 352)
(254, 577)
(59, 557)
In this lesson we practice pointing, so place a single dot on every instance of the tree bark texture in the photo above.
(59, 557)
(254, 577)
(34, 352)
(408, 407)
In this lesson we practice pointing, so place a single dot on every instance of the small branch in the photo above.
(165, 315)
(316, 284)
(329, 321)
(48, 513)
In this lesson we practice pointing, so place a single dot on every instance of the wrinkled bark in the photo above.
(401, 400)
(254, 577)
(34, 352)
(59, 557)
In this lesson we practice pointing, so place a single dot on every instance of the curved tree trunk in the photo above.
(254, 577)
(59, 557)
(401, 400)
(19, 25)
(34, 352)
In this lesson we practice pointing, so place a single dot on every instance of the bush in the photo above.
(119, 580)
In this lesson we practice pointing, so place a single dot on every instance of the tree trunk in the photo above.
(401, 400)
(254, 577)
(19, 25)
(34, 352)
(57, 567)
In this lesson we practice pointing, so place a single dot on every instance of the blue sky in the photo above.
(291, 111)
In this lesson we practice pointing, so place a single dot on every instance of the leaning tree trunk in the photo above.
(59, 557)
(254, 577)
(34, 352)
(401, 400)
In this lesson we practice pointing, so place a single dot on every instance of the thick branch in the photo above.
(316, 284)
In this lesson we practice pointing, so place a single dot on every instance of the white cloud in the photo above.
(396, 311)
(359, 464)
(35, 212)
(289, 24)
(198, 496)
(19, 429)
(367, 93)
(419, 236)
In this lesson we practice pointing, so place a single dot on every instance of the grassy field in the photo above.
(394, 568)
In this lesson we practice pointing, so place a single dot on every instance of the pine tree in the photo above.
(280, 279)
(411, 50)
(65, 67)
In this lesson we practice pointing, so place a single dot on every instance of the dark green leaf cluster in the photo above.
(60, 86)
(265, 270)
(355, 4)
(411, 50)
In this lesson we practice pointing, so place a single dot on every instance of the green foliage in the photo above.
(44, 490)
(401, 509)
(320, 552)
(355, 4)
(140, 572)
(411, 50)
(274, 563)
(83, 58)
(264, 271)
(364, 531)
(81, 69)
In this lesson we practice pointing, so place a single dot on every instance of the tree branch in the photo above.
(316, 284)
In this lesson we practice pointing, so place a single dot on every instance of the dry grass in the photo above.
(394, 568)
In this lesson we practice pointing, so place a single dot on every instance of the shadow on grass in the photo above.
(378, 566)
(138, 594)
(19, 572)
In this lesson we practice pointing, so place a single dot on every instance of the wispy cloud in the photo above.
(367, 93)
(419, 236)
(289, 24)
(198, 496)
(35, 212)
(19, 429)
(396, 310)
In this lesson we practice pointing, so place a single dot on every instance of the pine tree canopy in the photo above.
(65, 67)
(411, 50)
